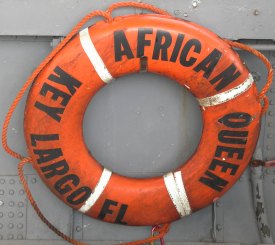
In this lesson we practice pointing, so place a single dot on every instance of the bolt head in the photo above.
(195, 4)
(78, 228)
(177, 12)
(20, 237)
(10, 237)
(12, 181)
(256, 76)
(256, 12)
(20, 226)
(219, 227)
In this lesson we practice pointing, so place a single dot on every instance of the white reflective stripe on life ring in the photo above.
(100, 187)
(94, 57)
(175, 187)
(227, 95)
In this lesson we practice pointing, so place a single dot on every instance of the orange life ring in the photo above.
(193, 56)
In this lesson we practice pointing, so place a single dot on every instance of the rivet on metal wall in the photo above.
(20, 215)
(218, 227)
(10, 237)
(12, 181)
(20, 226)
(270, 113)
(176, 12)
(10, 225)
(11, 192)
(1, 214)
(268, 147)
(11, 214)
(20, 204)
(78, 228)
(21, 192)
(1, 203)
(20, 237)
(195, 3)
(256, 12)
(2, 181)
(256, 76)
(33, 180)
(11, 203)
(179, 12)
(138, 10)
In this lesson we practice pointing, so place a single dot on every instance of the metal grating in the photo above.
(13, 209)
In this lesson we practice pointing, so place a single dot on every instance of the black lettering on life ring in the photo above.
(43, 137)
(79, 196)
(209, 63)
(194, 44)
(177, 47)
(234, 120)
(59, 168)
(63, 185)
(62, 78)
(46, 155)
(213, 181)
(163, 41)
(105, 210)
(52, 167)
(142, 41)
(122, 46)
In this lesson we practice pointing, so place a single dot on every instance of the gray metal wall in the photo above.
(140, 125)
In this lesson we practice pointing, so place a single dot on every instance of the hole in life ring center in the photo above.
(142, 125)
